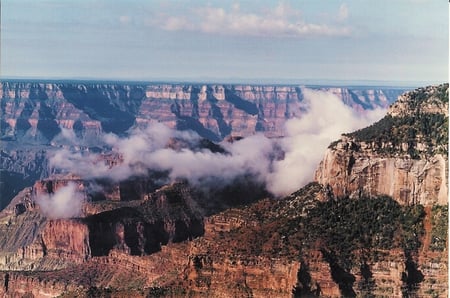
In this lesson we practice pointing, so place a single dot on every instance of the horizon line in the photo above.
(233, 81)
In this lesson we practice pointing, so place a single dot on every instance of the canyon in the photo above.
(39, 117)
(258, 250)
(373, 222)
(38, 111)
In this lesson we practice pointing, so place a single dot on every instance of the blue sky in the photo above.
(279, 41)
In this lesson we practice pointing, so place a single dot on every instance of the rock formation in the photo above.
(38, 117)
(265, 248)
(374, 223)
(36, 112)
(404, 155)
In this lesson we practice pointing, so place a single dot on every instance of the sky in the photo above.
(387, 41)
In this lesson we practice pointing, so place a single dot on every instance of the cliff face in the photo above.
(136, 239)
(37, 117)
(31, 241)
(352, 169)
(404, 155)
(36, 112)
(20, 168)
(112, 220)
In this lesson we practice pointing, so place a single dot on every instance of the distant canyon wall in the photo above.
(35, 112)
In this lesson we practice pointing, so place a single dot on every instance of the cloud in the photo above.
(343, 12)
(66, 137)
(147, 150)
(68, 134)
(307, 138)
(283, 20)
(69, 137)
(66, 202)
(324, 117)
(85, 164)
(248, 156)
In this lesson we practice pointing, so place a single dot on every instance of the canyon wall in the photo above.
(404, 155)
(261, 249)
(38, 117)
(136, 239)
(36, 112)
(352, 168)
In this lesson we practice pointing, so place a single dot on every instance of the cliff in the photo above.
(35, 112)
(20, 168)
(266, 248)
(344, 236)
(132, 216)
(404, 155)
(38, 117)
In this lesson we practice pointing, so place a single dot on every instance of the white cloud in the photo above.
(283, 20)
(307, 137)
(343, 12)
(177, 23)
(66, 202)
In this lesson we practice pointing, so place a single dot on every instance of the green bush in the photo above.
(431, 129)
(348, 225)
(439, 231)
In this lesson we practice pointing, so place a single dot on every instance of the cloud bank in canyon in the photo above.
(66, 202)
(283, 165)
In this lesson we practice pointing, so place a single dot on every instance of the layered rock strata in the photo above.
(350, 168)
(37, 117)
(36, 112)
(404, 155)
(177, 241)
(257, 250)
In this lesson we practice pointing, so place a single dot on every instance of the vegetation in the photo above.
(424, 94)
(442, 92)
(390, 133)
(346, 226)
(439, 231)
(345, 229)
(404, 133)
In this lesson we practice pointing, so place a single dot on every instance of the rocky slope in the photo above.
(264, 249)
(37, 117)
(20, 168)
(404, 155)
(133, 217)
(333, 239)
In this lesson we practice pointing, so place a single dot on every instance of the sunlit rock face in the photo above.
(134, 217)
(404, 155)
(409, 181)
(216, 111)
(163, 244)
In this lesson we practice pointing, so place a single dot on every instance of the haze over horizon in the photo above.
(265, 41)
